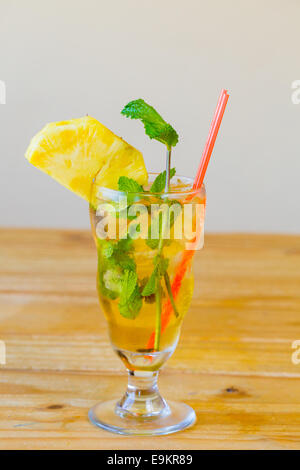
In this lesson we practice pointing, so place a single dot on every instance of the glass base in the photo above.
(178, 417)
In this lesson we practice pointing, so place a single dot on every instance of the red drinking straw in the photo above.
(188, 254)
(211, 139)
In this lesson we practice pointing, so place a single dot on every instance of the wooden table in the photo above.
(233, 363)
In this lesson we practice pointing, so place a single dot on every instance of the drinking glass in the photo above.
(145, 245)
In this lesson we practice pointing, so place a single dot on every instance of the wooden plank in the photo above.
(49, 409)
(237, 335)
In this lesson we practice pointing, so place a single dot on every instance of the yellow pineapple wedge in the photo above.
(73, 152)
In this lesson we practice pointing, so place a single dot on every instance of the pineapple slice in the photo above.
(74, 151)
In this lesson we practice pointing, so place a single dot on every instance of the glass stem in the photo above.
(142, 398)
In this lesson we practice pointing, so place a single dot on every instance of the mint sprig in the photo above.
(117, 276)
(117, 267)
(155, 126)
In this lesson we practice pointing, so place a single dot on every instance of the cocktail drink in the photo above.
(144, 241)
(146, 228)
(135, 327)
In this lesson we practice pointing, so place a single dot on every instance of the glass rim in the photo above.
(185, 193)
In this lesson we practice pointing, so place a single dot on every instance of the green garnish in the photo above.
(160, 268)
(149, 288)
(132, 308)
(117, 270)
(155, 126)
(161, 264)
(158, 184)
(129, 185)
(128, 284)
(130, 297)
(107, 249)
(117, 275)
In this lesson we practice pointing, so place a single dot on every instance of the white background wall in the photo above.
(64, 58)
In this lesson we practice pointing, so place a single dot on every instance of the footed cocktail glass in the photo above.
(145, 244)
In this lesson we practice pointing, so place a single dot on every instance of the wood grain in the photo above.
(233, 363)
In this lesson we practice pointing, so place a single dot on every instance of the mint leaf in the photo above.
(129, 185)
(150, 299)
(126, 262)
(161, 264)
(131, 308)
(105, 247)
(117, 254)
(129, 281)
(149, 288)
(107, 250)
(130, 297)
(152, 242)
(155, 126)
(158, 184)
(125, 244)
(114, 259)
(122, 251)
